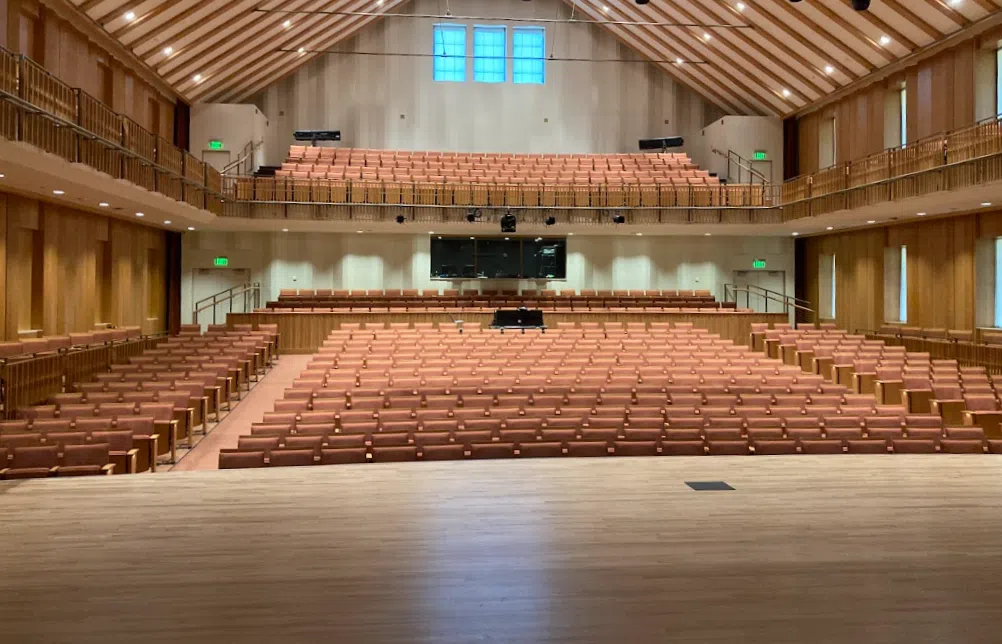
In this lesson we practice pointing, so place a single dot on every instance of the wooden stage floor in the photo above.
(850, 549)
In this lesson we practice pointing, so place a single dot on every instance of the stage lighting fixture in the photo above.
(550, 221)
(508, 223)
(619, 219)
(401, 219)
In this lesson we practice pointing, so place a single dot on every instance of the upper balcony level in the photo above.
(658, 192)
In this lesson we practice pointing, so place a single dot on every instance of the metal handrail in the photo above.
(788, 301)
(740, 161)
(245, 153)
(248, 290)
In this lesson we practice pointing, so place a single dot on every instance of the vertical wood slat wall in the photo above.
(941, 94)
(62, 270)
(65, 51)
(941, 270)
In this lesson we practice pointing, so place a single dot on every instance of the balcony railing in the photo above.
(38, 108)
(949, 161)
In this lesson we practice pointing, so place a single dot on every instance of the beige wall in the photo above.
(235, 125)
(372, 261)
(743, 135)
(392, 102)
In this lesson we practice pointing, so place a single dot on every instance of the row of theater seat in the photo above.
(894, 375)
(145, 408)
(52, 460)
(411, 390)
(251, 458)
(373, 294)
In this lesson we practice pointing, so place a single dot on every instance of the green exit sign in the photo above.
(215, 145)
(221, 261)
(759, 155)
(758, 263)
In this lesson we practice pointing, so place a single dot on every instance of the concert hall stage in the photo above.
(825, 549)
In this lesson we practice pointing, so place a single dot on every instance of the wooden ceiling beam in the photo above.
(881, 26)
(201, 41)
(786, 66)
(118, 12)
(251, 25)
(913, 18)
(657, 49)
(804, 22)
(281, 68)
(248, 55)
(958, 18)
(147, 17)
(718, 47)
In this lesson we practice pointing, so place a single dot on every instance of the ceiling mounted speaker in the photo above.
(860, 5)
(643, 1)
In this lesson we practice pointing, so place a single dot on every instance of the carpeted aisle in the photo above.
(260, 399)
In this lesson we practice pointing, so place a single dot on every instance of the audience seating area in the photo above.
(960, 395)
(352, 176)
(405, 300)
(309, 162)
(139, 411)
(379, 395)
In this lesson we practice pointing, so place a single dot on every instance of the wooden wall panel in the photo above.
(942, 95)
(941, 270)
(67, 270)
(65, 50)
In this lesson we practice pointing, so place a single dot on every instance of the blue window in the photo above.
(529, 61)
(489, 54)
(450, 53)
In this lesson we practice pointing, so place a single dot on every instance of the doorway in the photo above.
(757, 299)
(207, 282)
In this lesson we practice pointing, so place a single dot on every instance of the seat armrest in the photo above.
(108, 469)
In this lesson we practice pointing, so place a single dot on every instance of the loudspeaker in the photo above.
(660, 144)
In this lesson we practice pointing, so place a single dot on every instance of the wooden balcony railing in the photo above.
(38, 108)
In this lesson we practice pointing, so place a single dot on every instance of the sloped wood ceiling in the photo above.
(768, 57)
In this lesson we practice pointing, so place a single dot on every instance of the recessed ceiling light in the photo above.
(786, 93)
(872, 221)
(954, 3)
(103, 204)
(168, 50)
(921, 214)
(678, 60)
(287, 24)
(431, 232)
(167, 222)
(885, 40)
(285, 230)
(359, 231)
(829, 69)
(507, 238)
(830, 228)
(707, 234)
(130, 15)
(1, 175)
(796, 234)
(472, 238)
(302, 50)
(605, 8)
(139, 214)
(740, 6)
(58, 192)
(985, 204)
(191, 228)
(706, 36)
(640, 234)
(379, 3)
(197, 77)
(570, 234)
